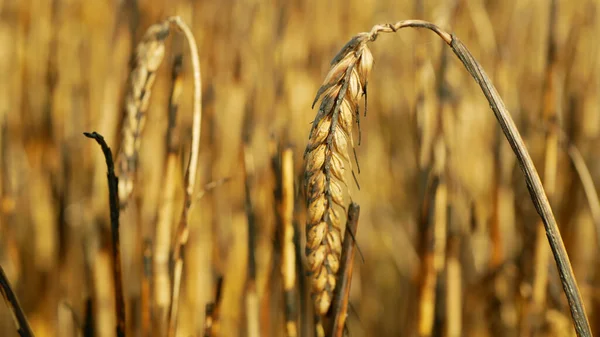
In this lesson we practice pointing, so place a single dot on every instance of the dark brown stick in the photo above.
(113, 201)
(13, 304)
(342, 292)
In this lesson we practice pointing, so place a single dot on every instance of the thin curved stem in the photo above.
(532, 178)
(197, 105)
(190, 174)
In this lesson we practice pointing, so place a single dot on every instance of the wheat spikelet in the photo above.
(148, 57)
(325, 157)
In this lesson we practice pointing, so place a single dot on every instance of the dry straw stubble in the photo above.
(326, 155)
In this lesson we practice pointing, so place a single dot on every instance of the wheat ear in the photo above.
(148, 56)
(325, 158)
(321, 162)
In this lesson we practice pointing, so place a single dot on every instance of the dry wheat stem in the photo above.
(509, 129)
(190, 174)
(148, 57)
(342, 292)
(288, 248)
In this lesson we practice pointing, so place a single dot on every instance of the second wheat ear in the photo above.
(149, 55)
(327, 154)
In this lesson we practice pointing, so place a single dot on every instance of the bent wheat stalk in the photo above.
(328, 145)
(190, 171)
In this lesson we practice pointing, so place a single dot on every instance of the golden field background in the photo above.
(63, 70)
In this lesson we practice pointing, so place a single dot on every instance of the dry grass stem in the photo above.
(288, 247)
(342, 292)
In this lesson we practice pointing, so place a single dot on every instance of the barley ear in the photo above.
(326, 155)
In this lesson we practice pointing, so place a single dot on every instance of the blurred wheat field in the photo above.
(64, 68)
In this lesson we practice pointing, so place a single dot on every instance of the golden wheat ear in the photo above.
(326, 155)
(327, 151)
